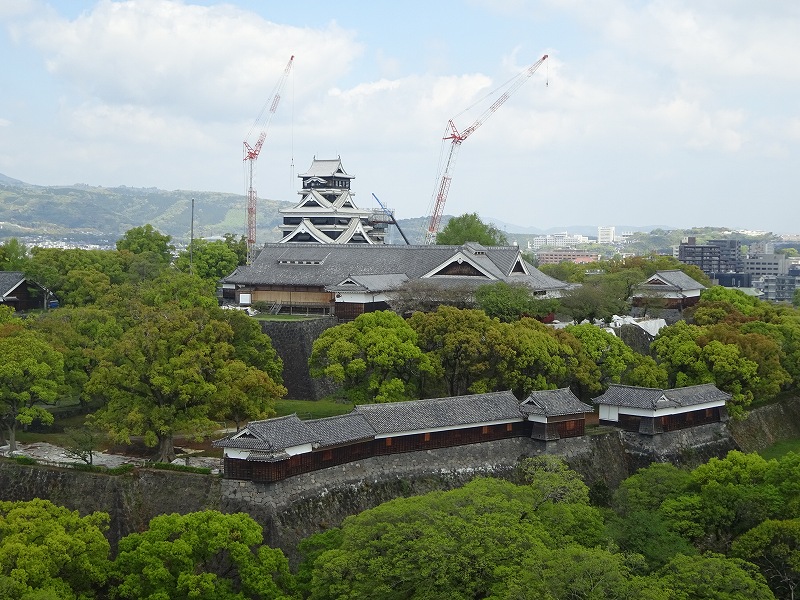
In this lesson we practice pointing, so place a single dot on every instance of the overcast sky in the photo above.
(665, 112)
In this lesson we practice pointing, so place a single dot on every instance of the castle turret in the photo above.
(327, 214)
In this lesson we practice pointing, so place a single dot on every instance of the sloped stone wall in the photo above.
(293, 341)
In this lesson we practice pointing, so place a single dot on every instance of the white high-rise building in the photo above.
(605, 234)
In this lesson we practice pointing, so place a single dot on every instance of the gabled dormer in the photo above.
(460, 265)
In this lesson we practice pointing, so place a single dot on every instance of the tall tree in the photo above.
(375, 358)
(458, 544)
(511, 302)
(31, 372)
(170, 373)
(714, 577)
(690, 359)
(50, 552)
(13, 255)
(457, 343)
(205, 554)
(82, 335)
(146, 239)
(775, 547)
(469, 228)
(239, 246)
(208, 260)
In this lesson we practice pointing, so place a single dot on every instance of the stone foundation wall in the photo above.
(292, 509)
(293, 341)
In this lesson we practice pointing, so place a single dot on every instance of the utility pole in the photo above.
(191, 243)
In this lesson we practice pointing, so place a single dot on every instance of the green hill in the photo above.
(102, 215)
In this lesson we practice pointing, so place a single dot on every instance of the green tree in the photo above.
(648, 534)
(172, 373)
(375, 358)
(646, 489)
(774, 546)
(457, 344)
(51, 267)
(565, 271)
(251, 345)
(529, 356)
(469, 228)
(8, 315)
(30, 374)
(83, 287)
(691, 359)
(13, 255)
(511, 302)
(246, 393)
(82, 335)
(239, 246)
(796, 299)
(208, 260)
(576, 572)
(594, 300)
(726, 497)
(143, 239)
(47, 551)
(734, 298)
(171, 286)
(200, 555)
(714, 577)
(458, 544)
(606, 350)
(552, 480)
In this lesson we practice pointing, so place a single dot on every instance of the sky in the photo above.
(671, 113)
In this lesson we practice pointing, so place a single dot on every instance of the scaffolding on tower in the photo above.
(251, 153)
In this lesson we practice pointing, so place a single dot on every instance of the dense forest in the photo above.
(727, 530)
(140, 342)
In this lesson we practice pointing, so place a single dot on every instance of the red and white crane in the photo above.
(251, 154)
(456, 137)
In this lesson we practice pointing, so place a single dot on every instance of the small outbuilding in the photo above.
(651, 411)
(21, 293)
(555, 414)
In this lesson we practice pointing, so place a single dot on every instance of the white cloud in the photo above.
(185, 59)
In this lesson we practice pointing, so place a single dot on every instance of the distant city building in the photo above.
(716, 256)
(779, 288)
(605, 235)
(734, 280)
(762, 247)
(327, 213)
(559, 240)
(766, 264)
(554, 257)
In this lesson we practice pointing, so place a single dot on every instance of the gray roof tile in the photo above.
(341, 429)
(421, 415)
(552, 403)
(325, 265)
(272, 435)
(653, 398)
(10, 280)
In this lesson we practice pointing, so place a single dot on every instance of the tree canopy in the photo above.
(146, 238)
(31, 372)
(469, 228)
(375, 357)
(47, 551)
(174, 371)
(205, 554)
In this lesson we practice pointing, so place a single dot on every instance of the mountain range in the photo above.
(100, 215)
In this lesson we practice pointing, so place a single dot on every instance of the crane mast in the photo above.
(456, 137)
(251, 153)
